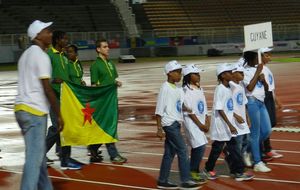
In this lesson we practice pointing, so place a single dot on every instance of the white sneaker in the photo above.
(274, 154)
(261, 167)
(247, 159)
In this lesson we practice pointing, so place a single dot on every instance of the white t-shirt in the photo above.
(33, 65)
(194, 99)
(269, 78)
(219, 129)
(239, 107)
(258, 91)
(169, 104)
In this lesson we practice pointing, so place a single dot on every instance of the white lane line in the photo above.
(285, 140)
(86, 181)
(289, 151)
(205, 158)
(283, 164)
(156, 169)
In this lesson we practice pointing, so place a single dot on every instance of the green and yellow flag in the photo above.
(90, 114)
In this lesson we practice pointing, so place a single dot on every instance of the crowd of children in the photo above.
(240, 126)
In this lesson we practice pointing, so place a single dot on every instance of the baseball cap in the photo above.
(191, 68)
(36, 27)
(223, 67)
(237, 68)
(264, 50)
(171, 66)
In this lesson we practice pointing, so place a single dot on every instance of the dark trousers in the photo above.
(271, 108)
(111, 149)
(53, 137)
(234, 155)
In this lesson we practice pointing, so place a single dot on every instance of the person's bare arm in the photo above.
(239, 119)
(231, 127)
(159, 132)
(255, 78)
(262, 79)
(202, 127)
(53, 102)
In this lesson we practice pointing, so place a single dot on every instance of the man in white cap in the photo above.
(32, 105)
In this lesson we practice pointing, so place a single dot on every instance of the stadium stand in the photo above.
(69, 15)
(194, 15)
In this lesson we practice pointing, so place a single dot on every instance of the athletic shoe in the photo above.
(76, 161)
(243, 177)
(266, 158)
(167, 185)
(197, 178)
(99, 152)
(247, 160)
(96, 159)
(261, 167)
(49, 161)
(118, 160)
(70, 166)
(190, 185)
(212, 175)
(274, 154)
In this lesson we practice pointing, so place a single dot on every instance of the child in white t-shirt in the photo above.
(196, 122)
(271, 101)
(222, 129)
(168, 116)
(241, 119)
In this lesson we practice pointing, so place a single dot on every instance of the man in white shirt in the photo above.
(32, 105)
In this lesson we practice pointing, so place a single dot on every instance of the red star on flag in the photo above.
(88, 113)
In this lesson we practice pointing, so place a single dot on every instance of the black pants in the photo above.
(54, 137)
(234, 155)
(270, 105)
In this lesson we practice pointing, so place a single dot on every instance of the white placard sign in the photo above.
(258, 36)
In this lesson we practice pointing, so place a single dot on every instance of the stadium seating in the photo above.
(68, 15)
(194, 15)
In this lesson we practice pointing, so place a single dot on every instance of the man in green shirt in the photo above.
(60, 73)
(104, 72)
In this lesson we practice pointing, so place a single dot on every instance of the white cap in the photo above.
(264, 50)
(171, 66)
(36, 27)
(237, 68)
(191, 68)
(223, 67)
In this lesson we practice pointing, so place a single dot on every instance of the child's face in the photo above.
(63, 42)
(227, 76)
(175, 75)
(195, 78)
(266, 57)
(238, 76)
(71, 54)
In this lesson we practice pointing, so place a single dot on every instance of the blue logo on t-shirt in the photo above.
(230, 104)
(239, 98)
(259, 84)
(178, 106)
(270, 79)
(201, 107)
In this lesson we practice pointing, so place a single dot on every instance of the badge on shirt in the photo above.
(259, 84)
(239, 98)
(178, 106)
(230, 104)
(270, 79)
(201, 107)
